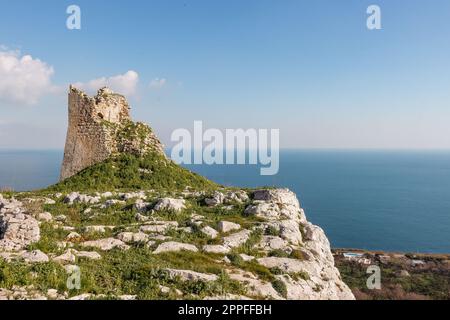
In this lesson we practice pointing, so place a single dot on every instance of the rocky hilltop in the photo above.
(134, 225)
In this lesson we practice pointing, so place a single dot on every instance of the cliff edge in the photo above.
(137, 226)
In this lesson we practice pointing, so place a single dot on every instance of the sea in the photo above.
(396, 201)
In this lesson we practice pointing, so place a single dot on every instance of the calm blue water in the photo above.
(394, 201)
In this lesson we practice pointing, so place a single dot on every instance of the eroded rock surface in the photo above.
(295, 252)
(18, 228)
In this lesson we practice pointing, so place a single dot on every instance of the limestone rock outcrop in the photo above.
(311, 275)
(293, 251)
(100, 127)
(18, 228)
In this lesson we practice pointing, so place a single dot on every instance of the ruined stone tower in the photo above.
(100, 127)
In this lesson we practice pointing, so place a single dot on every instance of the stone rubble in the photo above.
(18, 229)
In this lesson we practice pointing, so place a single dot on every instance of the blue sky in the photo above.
(310, 68)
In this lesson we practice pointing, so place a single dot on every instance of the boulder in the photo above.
(132, 237)
(167, 290)
(239, 196)
(210, 232)
(35, 256)
(276, 204)
(141, 218)
(220, 249)
(111, 202)
(225, 226)
(71, 197)
(107, 194)
(246, 257)
(170, 204)
(290, 231)
(158, 226)
(76, 197)
(188, 275)
(67, 257)
(254, 286)
(106, 244)
(49, 201)
(269, 243)
(45, 216)
(287, 265)
(61, 218)
(98, 229)
(73, 236)
(173, 246)
(237, 239)
(284, 196)
(92, 255)
(216, 199)
(142, 206)
(133, 195)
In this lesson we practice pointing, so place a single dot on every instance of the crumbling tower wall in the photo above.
(92, 134)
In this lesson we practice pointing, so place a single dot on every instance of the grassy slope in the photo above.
(129, 172)
(136, 271)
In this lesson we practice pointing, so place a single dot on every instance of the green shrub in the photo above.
(300, 275)
(125, 172)
(297, 254)
(235, 259)
(278, 253)
(272, 231)
(280, 287)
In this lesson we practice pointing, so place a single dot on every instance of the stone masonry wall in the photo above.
(92, 130)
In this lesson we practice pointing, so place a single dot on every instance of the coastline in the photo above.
(338, 250)
(405, 276)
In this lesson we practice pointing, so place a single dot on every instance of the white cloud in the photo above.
(158, 83)
(124, 83)
(23, 79)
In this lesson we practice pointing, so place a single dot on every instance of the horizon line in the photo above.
(247, 149)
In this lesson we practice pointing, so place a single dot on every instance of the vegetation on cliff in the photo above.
(131, 172)
(400, 279)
